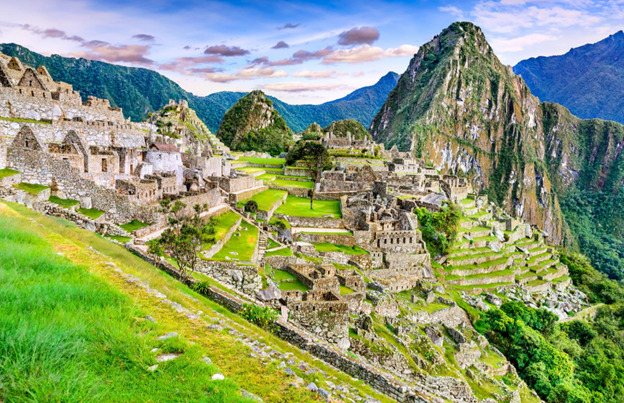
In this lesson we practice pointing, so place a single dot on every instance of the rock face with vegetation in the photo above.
(459, 107)
(253, 124)
(588, 80)
(140, 91)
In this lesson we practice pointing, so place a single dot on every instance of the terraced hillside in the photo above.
(495, 251)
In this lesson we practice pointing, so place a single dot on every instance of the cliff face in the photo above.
(253, 124)
(459, 107)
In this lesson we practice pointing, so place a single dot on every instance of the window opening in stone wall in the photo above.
(104, 165)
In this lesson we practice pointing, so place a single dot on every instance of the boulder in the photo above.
(435, 336)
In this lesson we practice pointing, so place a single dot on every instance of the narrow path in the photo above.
(583, 313)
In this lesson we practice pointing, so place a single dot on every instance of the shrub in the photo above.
(201, 287)
(263, 317)
(251, 206)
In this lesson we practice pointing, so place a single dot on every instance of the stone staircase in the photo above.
(262, 244)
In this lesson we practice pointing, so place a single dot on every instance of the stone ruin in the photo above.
(89, 152)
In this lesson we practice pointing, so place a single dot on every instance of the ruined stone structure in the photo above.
(89, 152)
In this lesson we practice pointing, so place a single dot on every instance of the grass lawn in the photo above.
(67, 335)
(268, 177)
(295, 285)
(6, 172)
(222, 224)
(67, 203)
(121, 381)
(263, 161)
(25, 120)
(286, 251)
(122, 239)
(250, 170)
(300, 207)
(348, 250)
(293, 184)
(346, 290)
(134, 225)
(31, 188)
(266, 200)
(92, 213)
(271, 244)
(281, 275)
(243, 246)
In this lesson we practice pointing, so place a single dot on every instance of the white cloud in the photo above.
(318, 74)
(520, 43)
(294, 86)
(367, 53)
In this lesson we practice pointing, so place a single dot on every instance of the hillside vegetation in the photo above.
(253, 124)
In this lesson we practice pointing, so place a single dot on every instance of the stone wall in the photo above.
(335, 239)
(326, 319)
(312, 222)
(290, 171)
(243, 278)
(41, 168)
(220, 242)
(3, 153)
(99, 134)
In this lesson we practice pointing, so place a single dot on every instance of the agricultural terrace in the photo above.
(266, 200)
(241, 245)
(300, 207)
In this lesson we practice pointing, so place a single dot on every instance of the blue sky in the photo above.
(301, 52)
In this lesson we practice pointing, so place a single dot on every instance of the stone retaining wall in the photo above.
(313, 222)
(220, 242)
(243, 278)
(289, 171)
(509, 278)
(336, 239)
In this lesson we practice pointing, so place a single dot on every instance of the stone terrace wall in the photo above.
(244, 278)
(40, 167)
(347, 240)
(312, 222)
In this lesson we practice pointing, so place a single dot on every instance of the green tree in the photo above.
(315, 157)
(439, 229)
(183, 239)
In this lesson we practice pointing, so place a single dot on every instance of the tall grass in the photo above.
(66, 335)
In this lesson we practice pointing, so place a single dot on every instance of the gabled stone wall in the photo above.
(42, 168)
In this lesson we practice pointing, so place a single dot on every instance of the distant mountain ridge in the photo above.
(139, 91)
(588, 80)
